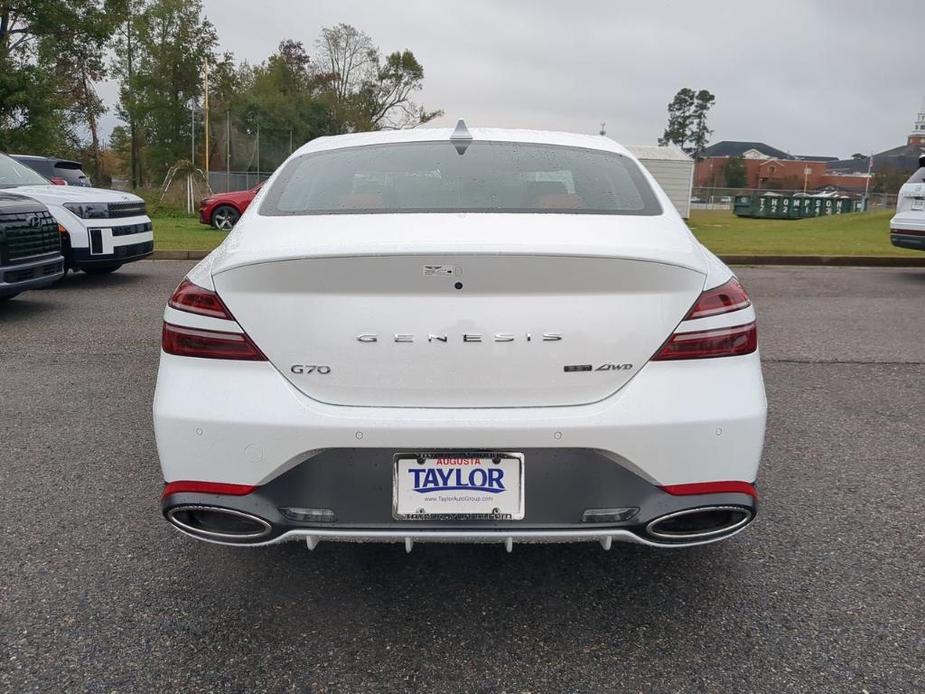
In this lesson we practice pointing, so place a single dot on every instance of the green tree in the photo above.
(699, 131)
(888, 179)
(283, 98)
(734, 172)
(687, 120)
(47, 74)
(160, 60)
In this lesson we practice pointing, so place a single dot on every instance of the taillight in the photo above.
(711, 488)
(195, 299)
(708, 344)
(185, 341)
(716, 342)
(58, 181)
(727, 297)
(208, 344)
(188, 486)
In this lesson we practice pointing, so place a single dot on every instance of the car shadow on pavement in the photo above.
(78, 280)
(22, 308)
(912, 277)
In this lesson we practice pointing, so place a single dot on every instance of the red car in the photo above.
(223, 210)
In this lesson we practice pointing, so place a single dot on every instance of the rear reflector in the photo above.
(708, 344)
(725, 298)
(195, 299)
(208, 344)
(207, 488)
(711, 488)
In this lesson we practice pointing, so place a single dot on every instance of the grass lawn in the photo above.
(184, 234)
(851, 234)
(721, 231)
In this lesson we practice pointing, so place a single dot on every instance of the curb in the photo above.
(823, 260)
(178, 255)
(826, 260)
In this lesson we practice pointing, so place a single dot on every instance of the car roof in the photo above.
(36, 157)
(547, 137)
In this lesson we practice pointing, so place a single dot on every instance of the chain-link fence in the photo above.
(227, 181)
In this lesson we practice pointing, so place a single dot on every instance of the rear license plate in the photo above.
(918, 203)
(453, 486)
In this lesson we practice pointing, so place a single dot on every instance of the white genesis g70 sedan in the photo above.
(467, 336)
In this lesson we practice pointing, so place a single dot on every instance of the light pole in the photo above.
(193, 110)
(205, 107)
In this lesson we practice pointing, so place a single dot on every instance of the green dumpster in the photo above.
(798, 206)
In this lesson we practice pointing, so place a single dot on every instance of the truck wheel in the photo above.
(225, 217)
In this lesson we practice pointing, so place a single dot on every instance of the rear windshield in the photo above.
(918, 176)
(12, 174)
(436, 177)
(71, 171)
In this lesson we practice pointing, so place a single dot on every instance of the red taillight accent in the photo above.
(711, 488)
(727, 297)
(207, 488)
(208, 344)
(707, 344)
(194, 299)
(58, 181)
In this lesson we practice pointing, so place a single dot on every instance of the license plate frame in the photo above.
(918, 204)
(437, 496)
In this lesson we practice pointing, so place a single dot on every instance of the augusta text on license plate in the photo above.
(451, 486)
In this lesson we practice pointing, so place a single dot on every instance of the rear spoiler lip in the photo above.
(235, 260)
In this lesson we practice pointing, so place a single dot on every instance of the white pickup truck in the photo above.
(101, 229)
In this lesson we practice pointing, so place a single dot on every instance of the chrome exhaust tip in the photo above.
(696, 524)
(217, 523)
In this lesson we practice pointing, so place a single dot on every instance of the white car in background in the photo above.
(492, 336)
(102, 229)
(907, 228)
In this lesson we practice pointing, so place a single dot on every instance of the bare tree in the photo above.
(368, 93)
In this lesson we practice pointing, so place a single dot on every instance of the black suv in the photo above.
(30, 246)
(61, 172)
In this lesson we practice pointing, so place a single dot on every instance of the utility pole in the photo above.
(205, 116)
(870, 170)
(132, 125)
(258, 153)
(227, 149)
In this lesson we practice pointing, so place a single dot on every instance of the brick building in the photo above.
(767, 167)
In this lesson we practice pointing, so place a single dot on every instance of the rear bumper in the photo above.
(82, 257)
(354, 488)
(31, 275)
(674, 423)
(913, 241)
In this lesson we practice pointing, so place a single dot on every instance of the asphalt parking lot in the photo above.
(823, 593)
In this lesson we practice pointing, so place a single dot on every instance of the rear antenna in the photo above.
(461, 137)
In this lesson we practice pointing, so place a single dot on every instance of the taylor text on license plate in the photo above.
(449, 486)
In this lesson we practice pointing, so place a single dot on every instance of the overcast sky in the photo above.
(820, 78)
